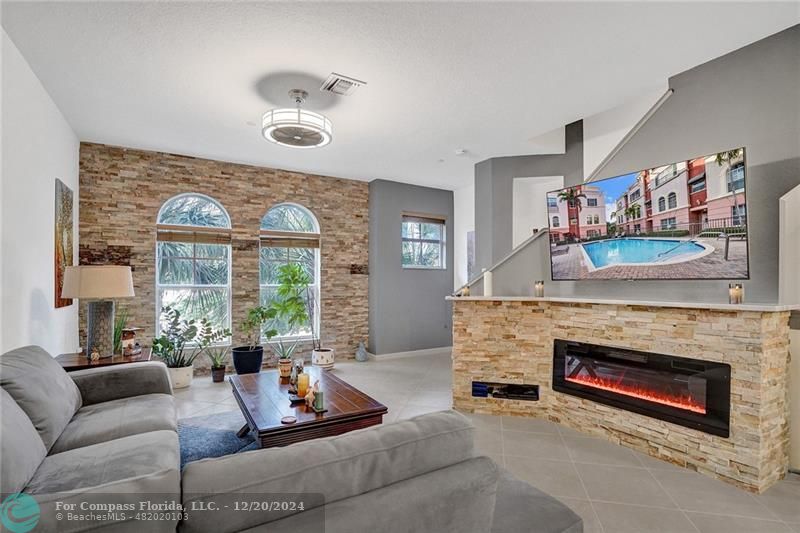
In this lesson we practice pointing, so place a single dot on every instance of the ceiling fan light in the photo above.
(284, 126)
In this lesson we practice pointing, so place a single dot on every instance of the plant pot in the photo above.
(247, 361)
(180, 377)
(285, 366)
(323, 358)
(218, 374)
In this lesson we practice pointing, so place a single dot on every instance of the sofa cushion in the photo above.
(359, 461)
(21, 447)
(144, 463)
(41, 388)
(521, 507)
(457, 499)
(102, 422)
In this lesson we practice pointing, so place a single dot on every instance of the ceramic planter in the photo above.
(246, 360)
(285, 366)
(180, 377)
(218, 375)
(323, 358)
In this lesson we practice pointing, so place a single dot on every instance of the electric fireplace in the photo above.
(689, 392)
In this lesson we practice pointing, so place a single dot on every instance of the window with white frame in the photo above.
(739, 214)
(672, 200)
(423, 241)
(290, 235)
(669, 223)
(734, 177)
(193, 259)
(556, 222)
(662, 204)
(552, 202)
(591, 202)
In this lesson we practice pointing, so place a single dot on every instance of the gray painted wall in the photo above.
(407, 307)
(494, 192)
(750, 98)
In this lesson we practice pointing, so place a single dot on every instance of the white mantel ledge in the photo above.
(717, 306)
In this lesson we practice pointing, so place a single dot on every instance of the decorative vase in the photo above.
(323, 358)
(218, 374)
(180, 377)
(285, 366)
(361, 353)
(247, 361)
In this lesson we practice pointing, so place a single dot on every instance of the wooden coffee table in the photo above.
(264, 400)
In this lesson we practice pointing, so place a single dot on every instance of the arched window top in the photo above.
(194, 209)
(290, 217)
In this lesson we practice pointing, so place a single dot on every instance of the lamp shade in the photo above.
(97, 282)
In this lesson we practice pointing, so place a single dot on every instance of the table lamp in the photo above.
(99, 285)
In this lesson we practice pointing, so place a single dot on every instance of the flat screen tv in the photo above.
(685, 220)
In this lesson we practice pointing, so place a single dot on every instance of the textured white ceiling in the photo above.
(194, 78)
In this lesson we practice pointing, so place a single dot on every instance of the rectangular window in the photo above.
(635, 195)
(194, 278)
(735, 177)
(597, 219)
(423, 239)
(591, 202)
(272, 255)
(669, 223)
(552, 202)
(589, 220)
(739, 214)
(699, 185)
(637, 227)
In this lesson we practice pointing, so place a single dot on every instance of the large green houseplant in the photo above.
(182, 341)
(291, 313)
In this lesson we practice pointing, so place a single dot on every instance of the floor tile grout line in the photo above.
(683, 512)
(580, 480)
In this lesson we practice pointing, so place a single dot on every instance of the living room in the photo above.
(301, 255)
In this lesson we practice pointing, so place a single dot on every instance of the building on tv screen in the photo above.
(686, 220)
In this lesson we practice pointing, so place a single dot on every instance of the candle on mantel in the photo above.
(487, 283)
(302, 384)
(538, 289)
(736, 293)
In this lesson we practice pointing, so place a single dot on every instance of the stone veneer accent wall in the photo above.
(512, 342)
(121, 191)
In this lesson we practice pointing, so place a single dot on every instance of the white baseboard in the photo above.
(415, 353)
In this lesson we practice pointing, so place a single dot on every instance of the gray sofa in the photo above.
(108, 436)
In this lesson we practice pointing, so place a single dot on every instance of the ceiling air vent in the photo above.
(341, 85)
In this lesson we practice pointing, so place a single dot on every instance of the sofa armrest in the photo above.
(108, 383)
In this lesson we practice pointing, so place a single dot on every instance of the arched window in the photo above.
(290, 234)
(193, 259)
(672, 200)
(662, 204)
(556, 222)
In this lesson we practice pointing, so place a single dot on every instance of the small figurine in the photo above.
(361, 353)
(312, 392)
(95, 354)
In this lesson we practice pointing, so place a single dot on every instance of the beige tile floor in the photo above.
(614, 489)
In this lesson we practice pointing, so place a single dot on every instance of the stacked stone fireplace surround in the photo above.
(511, 341)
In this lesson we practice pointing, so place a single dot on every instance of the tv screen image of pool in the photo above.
(685, 220)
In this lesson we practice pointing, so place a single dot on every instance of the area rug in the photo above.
(212, 436)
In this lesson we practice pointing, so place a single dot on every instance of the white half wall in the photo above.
(464, 222)
(529, 205)
(38, 146)
(603, 131)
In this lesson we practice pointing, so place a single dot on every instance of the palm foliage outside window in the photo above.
(289, 235)
(423, 241)
(193, 260)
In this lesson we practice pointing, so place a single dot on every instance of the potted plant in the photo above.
(217, 357)
(284, 354)
(247, 359)
(294, 293)
(181, 342)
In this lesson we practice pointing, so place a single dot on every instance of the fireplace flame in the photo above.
(680, 402)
